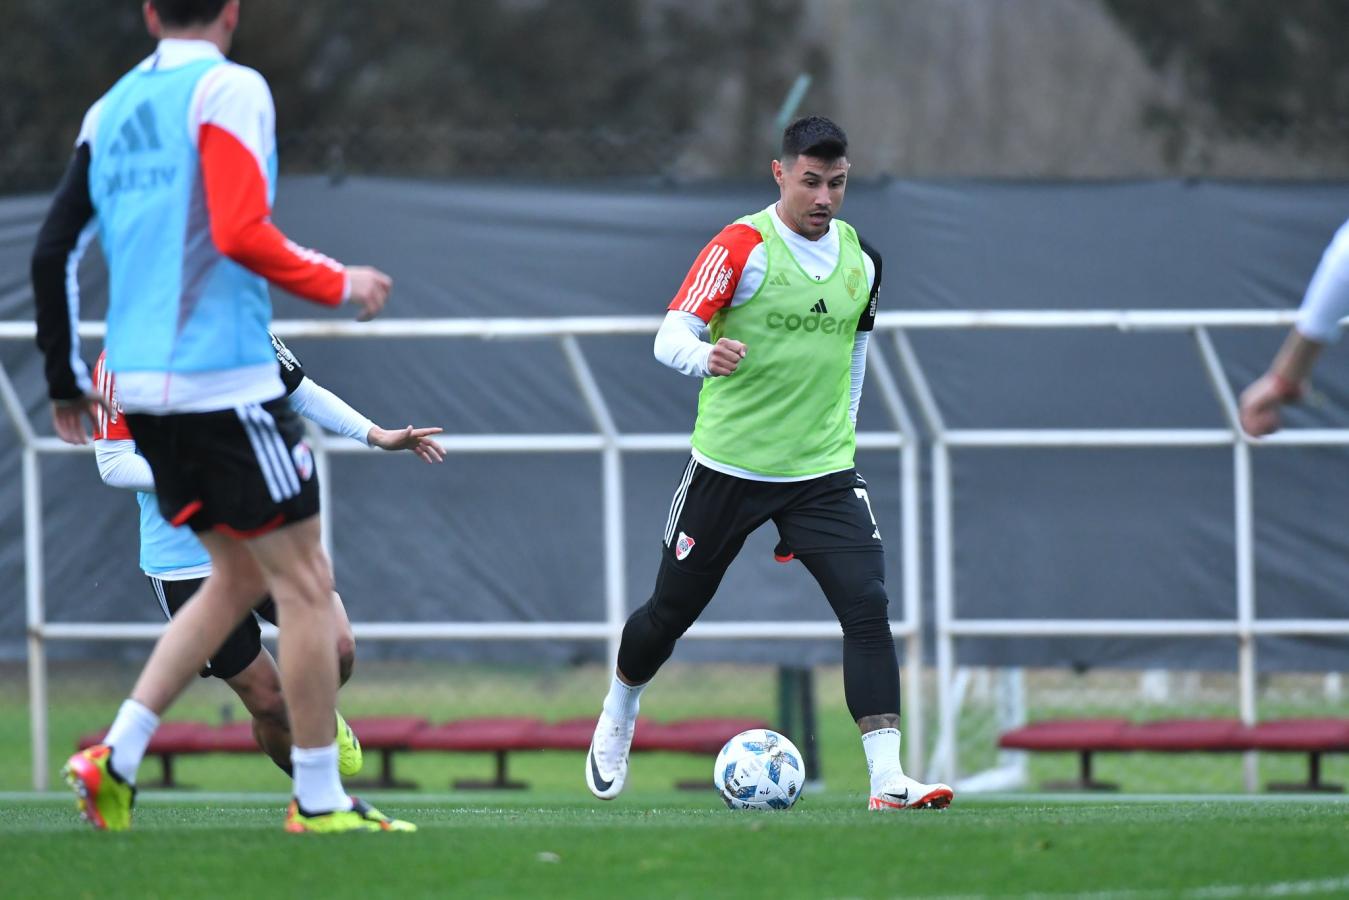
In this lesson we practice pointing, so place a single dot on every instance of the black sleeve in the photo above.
(70, 211)
(868, 318)
(291, 371)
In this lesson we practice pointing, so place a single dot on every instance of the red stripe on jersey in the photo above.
(711, 282)
(241, 223)
(108, 426)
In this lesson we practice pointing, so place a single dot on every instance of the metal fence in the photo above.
(1242, 627)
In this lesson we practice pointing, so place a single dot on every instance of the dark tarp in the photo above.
(1064, 533)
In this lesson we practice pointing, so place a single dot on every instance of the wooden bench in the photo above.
(498, 735)
(1087, 737)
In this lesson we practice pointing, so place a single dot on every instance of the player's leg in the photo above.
(299, 581)
(258, 687)
(709, 518)
(831, 530)
(346, 641)
(299, 578)
(278, 743)
(104, 776)
(346, 638)
(246, 666)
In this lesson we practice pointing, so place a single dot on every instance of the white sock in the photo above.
(318, 789)
(129, 736)
(623, 700)
(882, 749)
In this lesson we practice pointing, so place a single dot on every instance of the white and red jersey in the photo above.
(109, 424)
(166, 552)
(176, 165)
(731, 268)
(232, 122)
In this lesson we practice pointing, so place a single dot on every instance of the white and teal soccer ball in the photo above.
(759, 769)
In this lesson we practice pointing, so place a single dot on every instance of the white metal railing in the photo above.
(1243, 626)
(607, 441)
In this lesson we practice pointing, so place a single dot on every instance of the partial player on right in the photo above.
(1318, 323)
(789, 296)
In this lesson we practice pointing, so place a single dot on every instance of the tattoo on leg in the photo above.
(867, 724)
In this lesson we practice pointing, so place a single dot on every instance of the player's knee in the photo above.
(346, 657)
(866, 617)
(665, 620)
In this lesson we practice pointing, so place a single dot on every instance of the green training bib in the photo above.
(784, 411)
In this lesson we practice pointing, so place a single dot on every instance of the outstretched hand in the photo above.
(418, 440)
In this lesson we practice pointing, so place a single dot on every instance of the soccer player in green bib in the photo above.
(774, 316)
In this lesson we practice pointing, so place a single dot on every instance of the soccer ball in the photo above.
(759, 769)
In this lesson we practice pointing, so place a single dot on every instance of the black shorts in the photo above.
(243, 471)
(243, 644)
(712, 514)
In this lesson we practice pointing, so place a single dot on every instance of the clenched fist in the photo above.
(725, 357)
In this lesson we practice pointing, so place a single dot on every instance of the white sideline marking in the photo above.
(1212, 892)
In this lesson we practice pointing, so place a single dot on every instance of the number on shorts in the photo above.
(862, 493)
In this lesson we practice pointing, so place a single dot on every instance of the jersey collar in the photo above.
(174, 52)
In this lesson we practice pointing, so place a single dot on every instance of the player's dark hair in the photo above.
(182, 13)
(816, 137)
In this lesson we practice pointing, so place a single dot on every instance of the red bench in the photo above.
(498, 736)
(1315, 737)
(1086, 737)
(172, 739)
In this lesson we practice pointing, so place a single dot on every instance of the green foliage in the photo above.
(439, 88)
(1260, 65)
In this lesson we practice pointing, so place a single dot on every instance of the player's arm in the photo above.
(65, 233)
(323, 407)
(235, 139)
(120, 466)
(1318, 324)
(711, 284)
(872, 262)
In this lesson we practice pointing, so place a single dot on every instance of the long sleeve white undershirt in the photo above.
(1327, 299)
(681, 344)
(322, 407)
(120, 466)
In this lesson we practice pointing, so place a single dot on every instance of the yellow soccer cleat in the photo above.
(103, 798)
(349, 755)
(361, 817)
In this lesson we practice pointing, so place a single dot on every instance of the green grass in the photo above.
(650, 844)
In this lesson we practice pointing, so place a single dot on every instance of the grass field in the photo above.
(650, 844)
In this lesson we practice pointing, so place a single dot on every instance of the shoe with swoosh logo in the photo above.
(607, 760)
(899, 791)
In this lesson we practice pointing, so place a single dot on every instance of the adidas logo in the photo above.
(780, 280)
(139, 132)
(819, 307)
